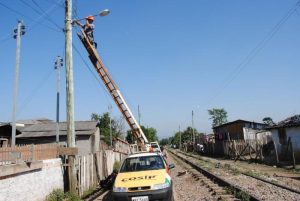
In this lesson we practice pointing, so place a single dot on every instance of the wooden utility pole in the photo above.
(19, 31)
(69, 93)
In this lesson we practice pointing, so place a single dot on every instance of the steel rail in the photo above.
(214, 177)
(258, 178)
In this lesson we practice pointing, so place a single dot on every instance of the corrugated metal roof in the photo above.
(293, 121)
(236, 121)
(49, 129)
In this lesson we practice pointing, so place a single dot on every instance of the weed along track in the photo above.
(245, 185)
(218, 187)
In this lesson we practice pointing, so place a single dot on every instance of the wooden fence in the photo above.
(27, 153)
(240, 149)
(93, 168)
(121, 146)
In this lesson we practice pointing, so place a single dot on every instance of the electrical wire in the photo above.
(56, 2)
(15, 11)
(35, 91)
(58, 28)
(92, 72)
(38, 19)
(255, 51)
(46, 16)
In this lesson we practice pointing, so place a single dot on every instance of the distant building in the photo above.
(6, 128)
(282, 132)
(238, 130)
(42, 132)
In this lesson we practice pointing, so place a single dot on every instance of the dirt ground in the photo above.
(230, 171)
(185, 187)
(290, 178)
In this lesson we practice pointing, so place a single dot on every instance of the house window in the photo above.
(282, 136)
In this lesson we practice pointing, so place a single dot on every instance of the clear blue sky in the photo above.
(170, 57)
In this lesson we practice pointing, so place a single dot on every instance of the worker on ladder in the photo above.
(88, 28)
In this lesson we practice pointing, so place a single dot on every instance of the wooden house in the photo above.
(235, 130)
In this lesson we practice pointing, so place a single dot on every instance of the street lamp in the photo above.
(102, 13)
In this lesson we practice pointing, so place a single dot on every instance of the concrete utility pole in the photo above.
(179, 138)
(19, 31)
(139, 115)
(70, 96)
(110, 131)
(58, 65)
(193, 128)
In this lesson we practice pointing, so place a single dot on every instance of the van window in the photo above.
(154, 145)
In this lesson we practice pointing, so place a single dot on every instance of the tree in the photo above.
(186, 136)
(164, 141)
(269, 121)
(219, 116)
(150, 133)
(104, 126)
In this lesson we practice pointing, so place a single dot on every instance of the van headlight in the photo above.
(119, 189)
(161, 186)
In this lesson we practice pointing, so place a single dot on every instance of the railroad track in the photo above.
(252, 176)
(218, 186)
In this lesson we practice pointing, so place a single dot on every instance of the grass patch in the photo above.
(88, 192)
(244, 196)
(254, 174)
(59, 195)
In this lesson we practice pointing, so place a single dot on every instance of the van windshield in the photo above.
(142, 163)
(154, 145)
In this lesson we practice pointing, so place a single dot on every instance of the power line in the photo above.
(15, 11)
(56, 2)
(35, 91)
(7, 37)
(92, 72)
(41, 13)
(28, 5)
(255, 51)
(46, 16)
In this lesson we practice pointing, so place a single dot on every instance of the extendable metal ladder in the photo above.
(113, 90)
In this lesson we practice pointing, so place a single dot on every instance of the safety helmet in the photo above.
(90, 17)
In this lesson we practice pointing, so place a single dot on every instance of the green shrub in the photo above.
(243, 196)
(56, 195)
(117, 165)
(59, 195)
(72, 197)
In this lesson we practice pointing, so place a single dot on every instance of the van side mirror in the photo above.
(171, 166)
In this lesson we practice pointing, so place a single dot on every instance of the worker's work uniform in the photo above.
(89, 32)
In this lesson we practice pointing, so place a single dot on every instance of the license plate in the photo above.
(140, 198)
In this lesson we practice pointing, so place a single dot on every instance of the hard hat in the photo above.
(90, 17)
